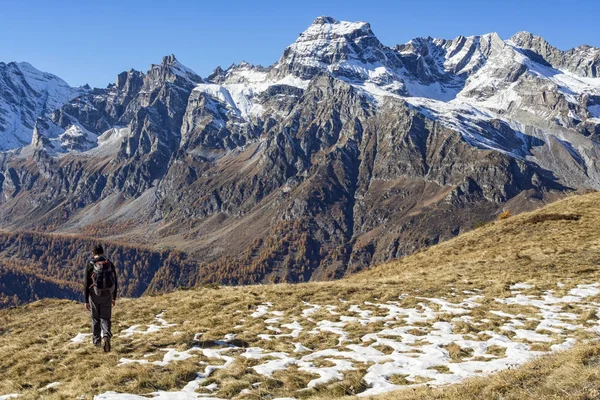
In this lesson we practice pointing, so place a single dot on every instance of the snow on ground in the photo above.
(80, 337)
(189, 390)
(9, 396)
(170, 355)
(309, 311)
(414, 343)
(261, 310)
(520, 285)
(242, 86)
(585, 290)
(109, 142)
(49, 386)
(152, 328)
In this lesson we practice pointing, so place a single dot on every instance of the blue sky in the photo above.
(92, 41)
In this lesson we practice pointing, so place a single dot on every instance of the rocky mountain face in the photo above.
(583, 60)
(25, 95)
(342, 154)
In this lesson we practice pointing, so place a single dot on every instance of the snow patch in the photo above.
(152, 328)
(80, 337)
(49, 386)
(242, 86)
(520, 285)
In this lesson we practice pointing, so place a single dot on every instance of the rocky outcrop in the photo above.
(583, 60)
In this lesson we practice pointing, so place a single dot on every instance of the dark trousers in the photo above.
(101, 315)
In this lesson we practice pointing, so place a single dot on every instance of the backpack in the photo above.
(103, 277)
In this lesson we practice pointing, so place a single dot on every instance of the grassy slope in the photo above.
(560, 242)
(543, 245)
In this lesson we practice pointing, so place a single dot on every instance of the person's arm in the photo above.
(86, 283)
(114, 296)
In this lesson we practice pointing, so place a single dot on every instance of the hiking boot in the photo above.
(106, 344)
(98, 344)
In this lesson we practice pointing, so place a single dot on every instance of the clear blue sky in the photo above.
(92, 41)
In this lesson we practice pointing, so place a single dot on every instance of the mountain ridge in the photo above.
(343, 153)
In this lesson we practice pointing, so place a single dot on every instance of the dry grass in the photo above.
(517, 249)
(457, 353)
(532, 247)
(504, 215)
(442, 369)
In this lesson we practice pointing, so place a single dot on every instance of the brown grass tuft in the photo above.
(504, 215)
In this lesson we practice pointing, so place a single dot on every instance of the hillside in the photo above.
(493, 299)
(52, 257)
(20, 284)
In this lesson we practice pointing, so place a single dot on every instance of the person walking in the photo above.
(100, 293)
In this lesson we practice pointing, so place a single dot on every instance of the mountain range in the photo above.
(342, 154)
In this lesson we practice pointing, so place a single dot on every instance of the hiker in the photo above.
(100, 293)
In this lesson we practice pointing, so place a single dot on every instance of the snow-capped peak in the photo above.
(328, 42)
(328, 34)
(27, 93)
(524, 36)
(336, 27)
(583, 60)
(176, 67)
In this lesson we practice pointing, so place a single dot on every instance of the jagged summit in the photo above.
(523, 36)
(127, 77)
(171, 69)
(348, 50)
(337, 27)
(85, 122)
(528, 39)
(582, 60)
(448, 62)
(169, 60)
(423, 67)
(322, 20)
(217, 75)
(327, 32)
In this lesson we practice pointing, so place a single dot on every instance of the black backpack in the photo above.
(103, 276)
